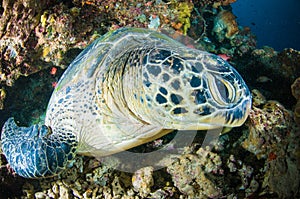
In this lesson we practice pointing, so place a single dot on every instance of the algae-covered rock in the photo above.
(268, 127)
(189, 174)
(142, 180)
(296, 93)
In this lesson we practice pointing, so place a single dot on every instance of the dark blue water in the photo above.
(276, 23)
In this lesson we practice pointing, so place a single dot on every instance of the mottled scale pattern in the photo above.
(49, 153)
(129, 87)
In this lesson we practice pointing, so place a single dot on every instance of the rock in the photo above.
(296, 93)
(189, 174)
(142, 180)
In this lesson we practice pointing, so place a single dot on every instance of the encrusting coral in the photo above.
(274, 137)
(225, 25)
(267, 128)
(189, 173)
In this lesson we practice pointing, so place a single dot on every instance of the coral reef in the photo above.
(245, 173)
(243, 43)
(223, 3)
(35, 35)
(225, 25)
(272, 71)
(18, 20)
(284, 64)
(289, 60)
(29, 102)
(56, 31)
(217, 31)
(142, 180)
(273, 136)
(214, 3)
(257, 98)
(259, 159)
(267, 128)
(183, 11)
(2, 97)
(188, 174)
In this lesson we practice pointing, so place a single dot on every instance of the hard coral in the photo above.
(227, 2)
(243, 42)
(189, 174)
(142, 180)
(296, 88)
(281, 67)
(225, 25)
(17, 21)
(268, 126)
(257, 98)
(223, 3)
(274, 137)
(214, 3)
(290, 63)
(183, 13)
(36, 34)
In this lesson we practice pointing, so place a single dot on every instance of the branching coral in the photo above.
(183, 13)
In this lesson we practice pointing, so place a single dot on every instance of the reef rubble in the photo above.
(260, 159)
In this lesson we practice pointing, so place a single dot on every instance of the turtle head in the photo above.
(188, 89)
(35, 151)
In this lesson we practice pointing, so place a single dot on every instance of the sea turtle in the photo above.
(128, 87)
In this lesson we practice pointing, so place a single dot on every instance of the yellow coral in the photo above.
(44, 19)
(46, 51)
(2, 97)
(183, 11)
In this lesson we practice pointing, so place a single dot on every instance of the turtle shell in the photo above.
(134, 85)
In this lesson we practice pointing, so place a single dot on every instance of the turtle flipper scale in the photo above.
(34, 151)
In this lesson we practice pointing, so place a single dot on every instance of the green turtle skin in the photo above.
(128, 87)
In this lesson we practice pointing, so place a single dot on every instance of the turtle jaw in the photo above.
(34, 151)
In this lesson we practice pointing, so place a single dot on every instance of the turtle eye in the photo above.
(221, 90)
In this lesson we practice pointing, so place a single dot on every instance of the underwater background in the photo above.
(275, 24)
(260, 38)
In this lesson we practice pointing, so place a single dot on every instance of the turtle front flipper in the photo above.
(35, 151)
